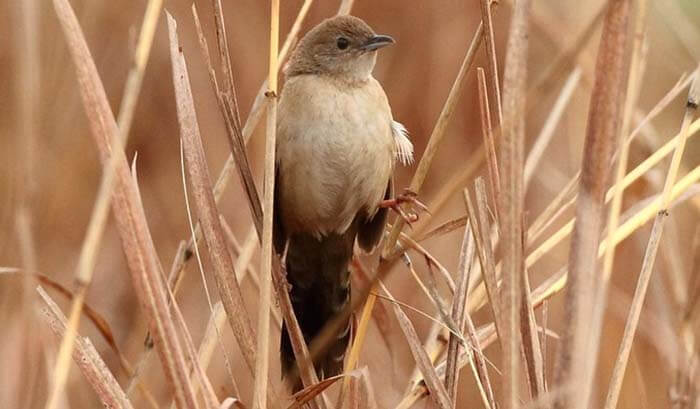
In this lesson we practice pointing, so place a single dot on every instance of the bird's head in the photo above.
(343, 47)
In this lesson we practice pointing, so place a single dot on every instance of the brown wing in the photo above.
(369, 230)
(279, 235)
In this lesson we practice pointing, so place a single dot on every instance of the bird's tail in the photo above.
(320, 288)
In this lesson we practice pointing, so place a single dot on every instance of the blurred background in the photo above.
(49, 174)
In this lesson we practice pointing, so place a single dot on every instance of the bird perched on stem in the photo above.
(337, 144)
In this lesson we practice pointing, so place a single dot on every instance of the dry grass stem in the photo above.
(209, 341)
(459, 311)
(180, 254)
(345, 6)
(211, 338)
(680, 85)
(359, 336)
(243, 263)
(294, 31)
(263, 345)
(224, 60)
(432, 381)
(672, 251)
(380, 314)
(479, 365)
(228, 106)
(550, 125)
(454, 184)
(632, 94)
(631, 98)
(436, 328)
(489, 139)
(430, 290)
(487, 334)
(637, 219)
(197, 372)
(574, 366)
(131, 221)
(434, 343)
(478, 361)
(511, 198)
(361, 394)
(242, 253)
(200, 265)
(532, 350)
(479, 219)
(97, 319)
(444, 228)
(229, 290)
(543, 340)
(652, 248)
(553, 285)
(439, 131)
(562, 63)
(144, 359)
(693, 289)
(630, 178)
(684, 189)
(431, 260)
(687, 359)
(305, 396)
(630, 225)
(492, 63)
(98, 220)
(86, 357)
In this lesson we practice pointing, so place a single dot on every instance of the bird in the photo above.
(336, 149)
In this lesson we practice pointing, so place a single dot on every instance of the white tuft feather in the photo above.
(404, 147)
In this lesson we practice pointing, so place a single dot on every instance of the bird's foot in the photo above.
(410, 197)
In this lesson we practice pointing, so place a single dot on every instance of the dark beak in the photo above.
(376, 42)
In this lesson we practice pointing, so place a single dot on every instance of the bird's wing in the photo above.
(369, 230)
(279, 235)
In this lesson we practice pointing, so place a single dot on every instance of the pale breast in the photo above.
(335, 153)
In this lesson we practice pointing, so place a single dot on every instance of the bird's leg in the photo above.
(408, 196)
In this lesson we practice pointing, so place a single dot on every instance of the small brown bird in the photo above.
(337, 144)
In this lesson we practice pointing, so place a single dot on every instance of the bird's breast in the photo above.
(335, 153)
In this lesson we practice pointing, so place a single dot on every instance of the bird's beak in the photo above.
(376, 42)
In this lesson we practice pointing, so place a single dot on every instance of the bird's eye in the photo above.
(343, 43)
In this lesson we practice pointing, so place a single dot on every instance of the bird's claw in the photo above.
(408, 196)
